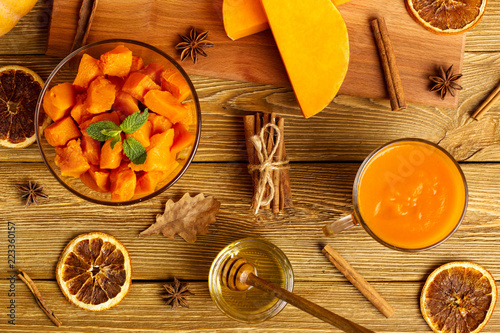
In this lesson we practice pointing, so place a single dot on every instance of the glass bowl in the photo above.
(251, 305)
(66, 71)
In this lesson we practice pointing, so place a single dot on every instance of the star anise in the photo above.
(31, 193)
(445, 82)
(177, 293)
(193, 45)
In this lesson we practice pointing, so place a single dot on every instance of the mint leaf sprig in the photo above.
(105, 130)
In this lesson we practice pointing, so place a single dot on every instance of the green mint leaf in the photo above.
(135, 151)
(135, 121)
(115, 140)
(95, 130)
(111, 132)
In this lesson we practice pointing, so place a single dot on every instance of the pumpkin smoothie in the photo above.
(411, 195)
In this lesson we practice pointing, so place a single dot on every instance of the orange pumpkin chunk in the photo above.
(142, 134)
(154, 71)
(159, 123)
(175, 83)
(182, 138)
(91, 149)
(60, 132)
(110, 116)
(101, 177)
(122, 183)
(164, 103)
(159, 157)
(137, 64)
(117, 62)
(148, 181)
(125, 104)
(79, 112)
(70, 159)
(138, 84)
(88, 70)
(111, 158)
(100, 95)
(58, 102)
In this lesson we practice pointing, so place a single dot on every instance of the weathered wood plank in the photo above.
(321, 192)
(29, 36)
(346, 131)
(144, 310)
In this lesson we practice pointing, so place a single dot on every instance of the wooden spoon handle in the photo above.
(305, 305)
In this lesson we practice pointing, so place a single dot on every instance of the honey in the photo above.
(251, 305)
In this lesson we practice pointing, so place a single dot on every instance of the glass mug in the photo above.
(409, 195)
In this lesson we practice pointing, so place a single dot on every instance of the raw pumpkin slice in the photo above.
(316, 69)
(12, 11)
(94, 271)
(19, 90)
(247, 17)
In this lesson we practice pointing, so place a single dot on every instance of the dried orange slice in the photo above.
(94, 271)
(458, 297)
(19, 90)
(447, 16)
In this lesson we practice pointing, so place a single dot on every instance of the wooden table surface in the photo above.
(325, 152)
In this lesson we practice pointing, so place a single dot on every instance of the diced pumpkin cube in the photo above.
(79, 112)
(125, 104)
(70, 159)
(117, 62)
(60, 132)
(109, 116)
(148, 181)
(164, 103)
(142, 134)
(159, 123)
(159, 156)
(122, 183)
(100, 95)
(58, 102)
(111, 158)
(96, 179)
(137, 64)
(101, 177)
(138, 84)
(117, 81)
(182, 138)
(91, 148)
(154, 71)
(175, 83)
(88, 70)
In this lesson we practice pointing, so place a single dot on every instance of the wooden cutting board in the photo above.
(255, 58)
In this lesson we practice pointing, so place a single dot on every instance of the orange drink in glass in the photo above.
(409, 195)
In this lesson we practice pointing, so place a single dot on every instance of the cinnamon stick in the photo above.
(388, 59)
(86, 16)
(249, 128)
(278, 157)
(258, 128)
(286, 189)
(487, 103)
(358, 281)
(38, 297)
(269, 143)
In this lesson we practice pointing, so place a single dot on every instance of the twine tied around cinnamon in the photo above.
(266, 165)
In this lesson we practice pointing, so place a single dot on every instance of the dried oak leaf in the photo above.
(187, 217)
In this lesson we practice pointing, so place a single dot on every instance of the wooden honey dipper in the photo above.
(238, 275)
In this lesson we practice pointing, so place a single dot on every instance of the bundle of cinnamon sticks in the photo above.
(253, 125)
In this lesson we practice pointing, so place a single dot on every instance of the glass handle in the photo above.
(339, 225)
